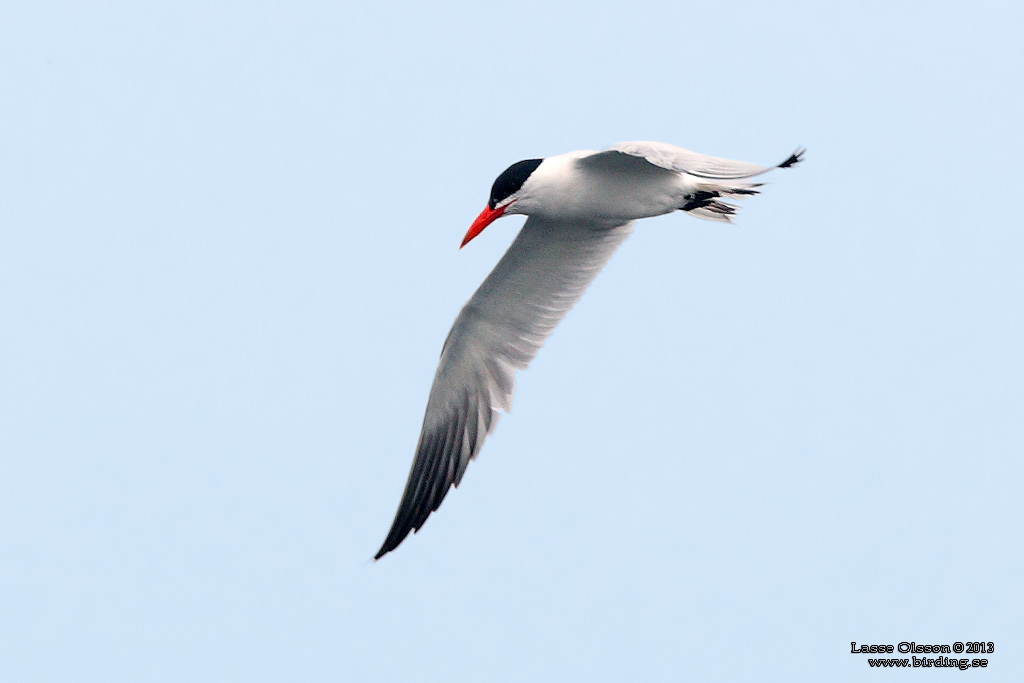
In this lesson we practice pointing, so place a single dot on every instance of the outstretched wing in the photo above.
(684, 161)
(545, 271)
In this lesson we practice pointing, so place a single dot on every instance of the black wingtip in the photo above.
(390, 543)
(794, 158)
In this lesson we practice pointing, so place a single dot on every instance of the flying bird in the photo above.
(580, 206)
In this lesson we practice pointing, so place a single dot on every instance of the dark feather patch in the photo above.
(698, 199)
(794, 158)
(511, 180)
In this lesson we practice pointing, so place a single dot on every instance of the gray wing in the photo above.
(499, 330)
(682, 160)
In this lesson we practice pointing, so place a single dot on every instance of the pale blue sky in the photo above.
(230, 260)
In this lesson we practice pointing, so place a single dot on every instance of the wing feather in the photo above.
(500, 329)
(682, 160)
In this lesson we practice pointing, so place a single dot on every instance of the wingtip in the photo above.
(794, 158)
(398, 533)
(387, 547)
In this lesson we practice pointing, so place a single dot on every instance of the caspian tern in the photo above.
(581, 207)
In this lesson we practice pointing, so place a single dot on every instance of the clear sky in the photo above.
(229, 260)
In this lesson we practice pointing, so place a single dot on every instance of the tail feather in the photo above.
(715, 210)
(703, 201)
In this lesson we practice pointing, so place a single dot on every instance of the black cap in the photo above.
(511, 180)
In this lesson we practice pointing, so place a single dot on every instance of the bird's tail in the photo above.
(704, 202)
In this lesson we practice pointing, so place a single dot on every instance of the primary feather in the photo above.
(499, 331)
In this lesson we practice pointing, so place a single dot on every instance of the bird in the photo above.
(580, 207)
